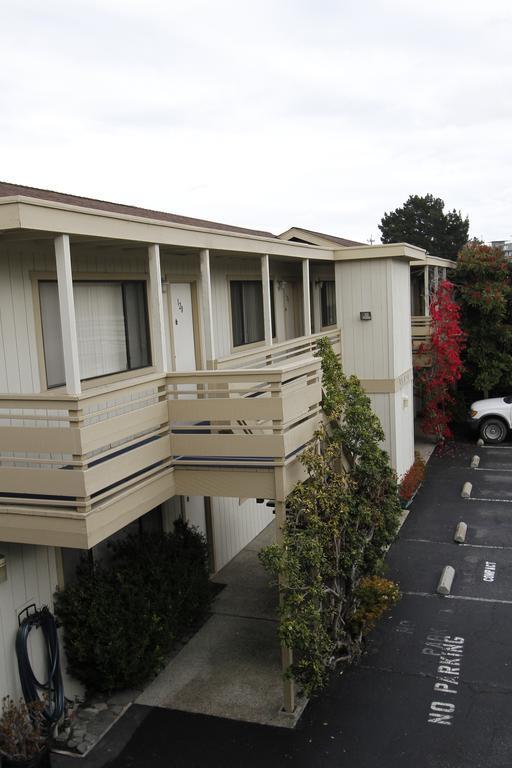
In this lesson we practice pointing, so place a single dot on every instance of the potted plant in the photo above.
(411, 481)
(23, 742)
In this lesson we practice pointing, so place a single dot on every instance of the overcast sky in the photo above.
(266, 114)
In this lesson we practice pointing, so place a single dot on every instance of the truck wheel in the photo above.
(493, 431)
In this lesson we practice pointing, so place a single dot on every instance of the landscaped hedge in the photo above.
(121, 620)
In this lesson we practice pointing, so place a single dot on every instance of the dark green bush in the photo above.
(121, 621)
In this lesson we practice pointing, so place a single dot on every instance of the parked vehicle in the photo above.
(492, 418)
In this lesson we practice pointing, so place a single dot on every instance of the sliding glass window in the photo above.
(247, 311)
(328, 303)
(112, 328)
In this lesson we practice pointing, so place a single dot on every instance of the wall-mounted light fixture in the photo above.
(366, 315)
(3, 569)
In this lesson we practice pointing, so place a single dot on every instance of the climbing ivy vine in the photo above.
(338, 523)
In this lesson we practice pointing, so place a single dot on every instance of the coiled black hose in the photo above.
(53, 688)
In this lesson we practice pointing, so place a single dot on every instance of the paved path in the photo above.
(435, 686)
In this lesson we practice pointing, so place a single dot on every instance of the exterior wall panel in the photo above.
(235, 525)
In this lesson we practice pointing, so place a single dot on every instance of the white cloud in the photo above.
(267, 113)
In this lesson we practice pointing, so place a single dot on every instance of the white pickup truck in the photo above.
(492, 418)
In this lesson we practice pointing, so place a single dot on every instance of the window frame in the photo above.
(330, 325)
(100, 278)
(260, 342)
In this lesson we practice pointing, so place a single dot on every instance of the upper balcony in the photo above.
(421, 330)
(77, 468)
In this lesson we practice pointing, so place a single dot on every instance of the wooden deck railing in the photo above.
(70, 453)
(421, 330)
(277, 354)
(67, 455)
(245, 417)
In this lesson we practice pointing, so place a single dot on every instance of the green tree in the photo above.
(422, 221)
(338, 524)
(484, 287)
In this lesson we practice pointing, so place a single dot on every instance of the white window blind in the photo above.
(111, 323)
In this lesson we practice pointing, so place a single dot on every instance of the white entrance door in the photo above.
(182, 326)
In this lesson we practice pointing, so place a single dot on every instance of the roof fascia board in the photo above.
(9, 215)
(439, 261)
(403, 251)
(44, 215)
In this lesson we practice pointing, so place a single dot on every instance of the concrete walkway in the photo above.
(423, 444)
(231, 667)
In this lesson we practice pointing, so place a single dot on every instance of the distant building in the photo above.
(506, 245)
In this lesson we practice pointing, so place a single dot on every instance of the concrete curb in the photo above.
(460, 533)
(466, 490)
(475, 461)
(446, 580)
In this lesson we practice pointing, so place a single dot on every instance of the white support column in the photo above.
(306, 297)
(67, 314)
(206, 295)
(160, 361)
(427, 291)
(267, 302)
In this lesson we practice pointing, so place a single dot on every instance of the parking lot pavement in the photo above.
(495, 457)
(417, 565)
(434, 687)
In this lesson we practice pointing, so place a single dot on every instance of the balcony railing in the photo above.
(421, 330)
(277, 354)
(70, 453)
(104, 457)
(250, 417)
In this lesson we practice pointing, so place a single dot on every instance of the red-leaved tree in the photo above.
(444, 348)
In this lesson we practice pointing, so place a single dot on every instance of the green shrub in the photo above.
(373, 596)
(121, 620)
(339, 523)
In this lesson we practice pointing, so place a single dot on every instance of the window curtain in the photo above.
(247, 312)
(112, 328)
(52, 334)
(136, 326)
(100, 329)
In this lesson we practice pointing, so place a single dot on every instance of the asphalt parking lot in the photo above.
(434, 687)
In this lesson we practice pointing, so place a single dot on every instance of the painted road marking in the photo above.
(459, 597)
(489, 571)
(448, 652)
(489, 469)
(405, 627)
(497, 448)
(475, 546)
(503, 501)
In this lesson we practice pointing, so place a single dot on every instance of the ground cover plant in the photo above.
(412, 479)
(121, 620)
(338, 524)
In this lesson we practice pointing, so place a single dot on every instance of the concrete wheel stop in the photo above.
(459, 535)
(466, 490)
(446, 580)
(480, 442)
(475, 461)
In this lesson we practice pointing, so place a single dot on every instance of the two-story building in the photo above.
(155, 366)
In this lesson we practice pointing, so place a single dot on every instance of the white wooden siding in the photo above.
(235, 525)
(31, 578)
